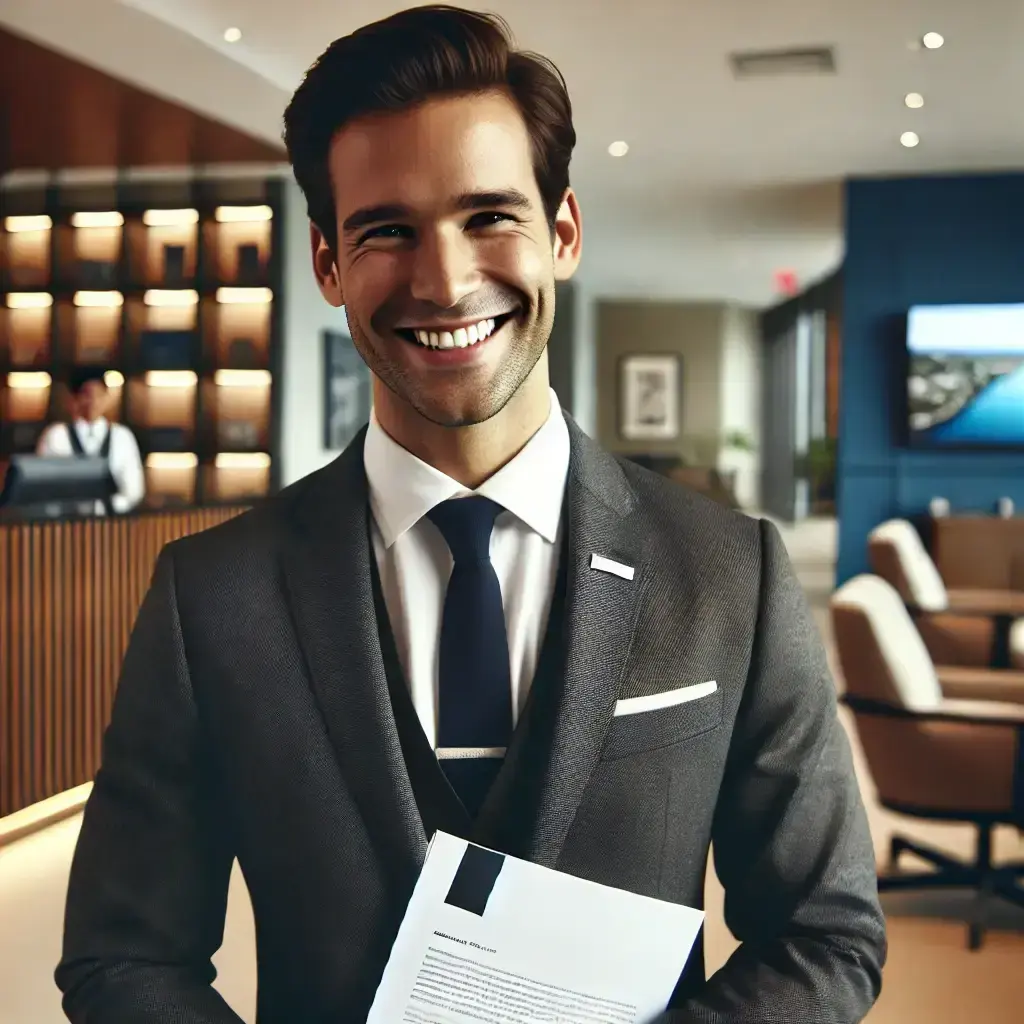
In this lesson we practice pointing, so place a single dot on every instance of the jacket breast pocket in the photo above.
(651, 730)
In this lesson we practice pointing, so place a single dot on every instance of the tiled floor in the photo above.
(931, 977)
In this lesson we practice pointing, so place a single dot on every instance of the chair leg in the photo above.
(944, 863)
(986, 889)
(949, 873)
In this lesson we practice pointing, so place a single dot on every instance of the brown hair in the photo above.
(408, 58)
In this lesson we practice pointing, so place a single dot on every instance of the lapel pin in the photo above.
(603, 564)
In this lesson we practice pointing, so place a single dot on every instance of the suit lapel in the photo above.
(600, 615)
(328, 580)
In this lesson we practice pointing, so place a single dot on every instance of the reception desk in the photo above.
(69, 594)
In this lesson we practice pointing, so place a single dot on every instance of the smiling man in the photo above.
(474, 620)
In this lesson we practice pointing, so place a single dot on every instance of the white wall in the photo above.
(740, 389)
(306, 314)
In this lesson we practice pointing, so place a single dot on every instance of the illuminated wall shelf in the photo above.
(175, 288)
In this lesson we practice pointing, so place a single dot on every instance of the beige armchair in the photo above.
(940, 744)
(966, 627)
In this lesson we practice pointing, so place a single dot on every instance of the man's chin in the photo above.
(458, 415)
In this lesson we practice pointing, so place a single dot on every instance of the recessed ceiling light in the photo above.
(232, 35)
(618, 149)
(909, 139)
(932, 40)
(914, 100)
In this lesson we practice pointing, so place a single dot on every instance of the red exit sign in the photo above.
(786, 282)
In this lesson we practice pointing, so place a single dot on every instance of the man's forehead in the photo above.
(459, 136)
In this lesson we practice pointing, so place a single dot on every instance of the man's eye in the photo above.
(386, 232)
(489, 219)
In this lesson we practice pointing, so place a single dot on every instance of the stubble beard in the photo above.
(459, 401)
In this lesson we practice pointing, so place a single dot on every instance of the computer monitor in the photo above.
(54, 485)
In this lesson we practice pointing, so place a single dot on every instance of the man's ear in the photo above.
(568, 240)
(325, 267)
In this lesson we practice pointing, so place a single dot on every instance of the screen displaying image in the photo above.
(965, 382)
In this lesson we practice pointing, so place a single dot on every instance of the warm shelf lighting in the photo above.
(169, 218)
(35, 380)
(172, 460)
(97, 219)
(113, 379)
(242, 378)
(239, 296)
(242, 460)
(243, 214)
(109, 300)
(29, 300)
(170, 297)
(171, 378)
(33, 223)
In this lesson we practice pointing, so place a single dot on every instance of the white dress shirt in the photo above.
(415, 563)
(125, 460)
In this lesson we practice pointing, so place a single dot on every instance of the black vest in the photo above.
(512, 802)
(104, 453)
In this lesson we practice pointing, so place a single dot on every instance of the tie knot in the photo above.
(466, 525)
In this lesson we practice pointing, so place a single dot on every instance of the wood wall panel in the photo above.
(69, 594)
(56, 113)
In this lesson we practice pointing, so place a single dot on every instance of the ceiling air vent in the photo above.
(807, 60)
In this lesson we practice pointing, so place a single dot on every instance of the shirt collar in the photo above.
(404, 488)
(98, 427)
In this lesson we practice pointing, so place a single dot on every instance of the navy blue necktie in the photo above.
(475, 690)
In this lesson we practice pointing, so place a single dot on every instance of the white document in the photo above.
(489, 939)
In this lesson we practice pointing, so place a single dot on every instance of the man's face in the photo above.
(445, 262)
(91, 400)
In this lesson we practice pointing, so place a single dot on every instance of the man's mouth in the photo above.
(464, 336)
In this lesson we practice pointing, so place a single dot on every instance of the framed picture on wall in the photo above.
(649, 390)
(347, 393)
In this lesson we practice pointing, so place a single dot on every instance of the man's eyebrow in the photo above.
(509, 198)
(506, 198)
(375, 215)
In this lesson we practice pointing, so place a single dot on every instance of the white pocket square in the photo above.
(668, 699)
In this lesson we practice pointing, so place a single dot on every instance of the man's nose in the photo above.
(444, 271)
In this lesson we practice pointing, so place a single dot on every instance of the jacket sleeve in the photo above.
(149, 880)
(790, 836)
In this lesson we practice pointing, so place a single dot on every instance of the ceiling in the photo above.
(725, 181)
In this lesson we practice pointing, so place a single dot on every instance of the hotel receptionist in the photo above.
(90, 433)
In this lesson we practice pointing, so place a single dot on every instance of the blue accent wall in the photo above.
(916, 241)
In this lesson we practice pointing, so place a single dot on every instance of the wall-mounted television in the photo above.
(965, 378)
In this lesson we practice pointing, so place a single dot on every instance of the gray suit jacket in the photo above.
(252, 720)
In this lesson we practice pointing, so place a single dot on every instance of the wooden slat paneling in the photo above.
(69, 594)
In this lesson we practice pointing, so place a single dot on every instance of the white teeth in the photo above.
(461, 338)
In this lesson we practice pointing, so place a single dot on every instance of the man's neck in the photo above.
(470, 454)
